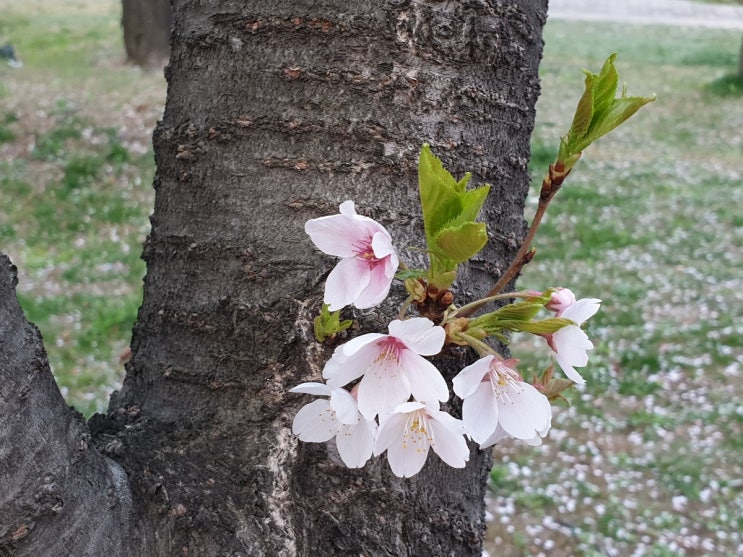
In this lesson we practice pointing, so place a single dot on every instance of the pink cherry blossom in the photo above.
(498, 401)
(368, 259)
(391, 366)
(321, 420)
(412, 429)
(570, 343)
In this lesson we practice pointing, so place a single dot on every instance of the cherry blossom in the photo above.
(339, 417)
(391, 366)
(412, 429)
(368, 259)
(570, 343)
(498, 403)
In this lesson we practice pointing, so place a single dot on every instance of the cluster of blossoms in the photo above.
(382, 394)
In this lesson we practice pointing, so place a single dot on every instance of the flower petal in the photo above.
(480, 413)
(449, 444)
(498, 436)
(319, 389)
(419, 334)
(467, 380)
(526, 412)
(345, 282)
(342, 368)
(383, 387)
(356, 443)
(407, 455)
(382, 245)
(581, 311)
(344, 406)
(335, 234)
(315, 422)
(424, 379)
(377, 288)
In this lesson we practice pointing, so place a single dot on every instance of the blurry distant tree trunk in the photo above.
(147, 31)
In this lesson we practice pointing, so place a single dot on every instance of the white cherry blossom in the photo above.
(339, 417)
(498, 403)
(391, 366)
(570, 343)
(412, 429)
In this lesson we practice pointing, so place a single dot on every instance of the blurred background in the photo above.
(648, 458)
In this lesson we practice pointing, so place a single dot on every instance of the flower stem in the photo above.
(550, 186)
(482, 348)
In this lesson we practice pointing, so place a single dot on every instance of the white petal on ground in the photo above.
(315, 422)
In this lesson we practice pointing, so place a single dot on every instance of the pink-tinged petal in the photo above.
(498, 436)
(318, 389)
(449, 444)
(335, 235)
(561, 299)
(344, 406)
(377, 288)
(390, 431)
(345, 282)
(315, 422)
(569, 370)
(407, 455)
(382, 245)
(347, 208)
(524, 412)
(480, 413)
(419, 334)
(424, 379)
(356, 443)
(383, 387)
(343, 368)
(581, 311)
(471, 376)
(357, 343)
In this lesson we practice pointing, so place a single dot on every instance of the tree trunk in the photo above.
(276, 113)
(146, 26)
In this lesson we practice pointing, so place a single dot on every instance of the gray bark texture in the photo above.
(146, 25)
(276, 113)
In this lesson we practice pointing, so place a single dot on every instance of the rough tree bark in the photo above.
(276, 113)
(146, 26)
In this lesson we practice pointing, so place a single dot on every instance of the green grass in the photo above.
(75, 181)
(646, 459)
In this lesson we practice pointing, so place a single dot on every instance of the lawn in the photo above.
(76, 169)
(647, 458)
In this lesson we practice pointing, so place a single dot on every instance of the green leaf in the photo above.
(461, 243)
(598, 112)
(328, 324)
(410, 273)
(512, 313)
(449, 213)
